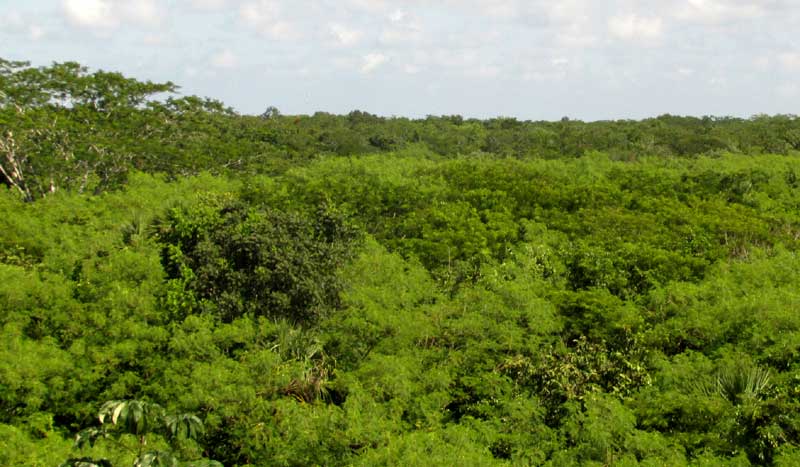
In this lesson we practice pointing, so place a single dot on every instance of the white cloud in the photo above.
(12, 21)
(96, 14)
(411, 69)
(499, 9)
(106, 14)
(283, 30)
(576, 35)
(487, 71)
(265, 17)
(532, 72)
(761, 63)
(571, 21)
(15, 22)
(790, 60)
(343, 35)
(718, 82)
(635, 27)
(260, 13)
(35, 32)
(393, 36)
(368, 5)
(720, 11)
(208, 5)
(567, 10)
(558, 43)
(372, 61)
(144, 12)
(155, 39)
(225, 59)
(397, 16)
(403, 29)
(464, 59)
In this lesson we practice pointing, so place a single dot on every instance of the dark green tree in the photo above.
(229, 259)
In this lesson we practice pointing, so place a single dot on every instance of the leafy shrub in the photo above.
(229, 259)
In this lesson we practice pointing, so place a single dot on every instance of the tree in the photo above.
(229, 259)
(271, 112)
(11, 166)
(63, 127)
(128, 424)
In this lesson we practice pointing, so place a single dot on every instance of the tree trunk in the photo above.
(11, 168)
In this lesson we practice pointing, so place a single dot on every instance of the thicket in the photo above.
(357, 290)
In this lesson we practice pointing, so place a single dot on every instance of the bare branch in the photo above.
(10, 166)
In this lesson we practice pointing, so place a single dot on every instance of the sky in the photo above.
(534, 59)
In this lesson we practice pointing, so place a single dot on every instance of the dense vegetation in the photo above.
(358, 290)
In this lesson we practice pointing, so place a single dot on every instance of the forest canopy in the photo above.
(185, 285)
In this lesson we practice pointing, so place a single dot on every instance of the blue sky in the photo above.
(535, 59)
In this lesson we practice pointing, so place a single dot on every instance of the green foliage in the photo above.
(360, 290)
(230, 260)
(740, 384)
(122, 420)
(33, 442)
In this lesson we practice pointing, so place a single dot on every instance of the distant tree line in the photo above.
(63, 126)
